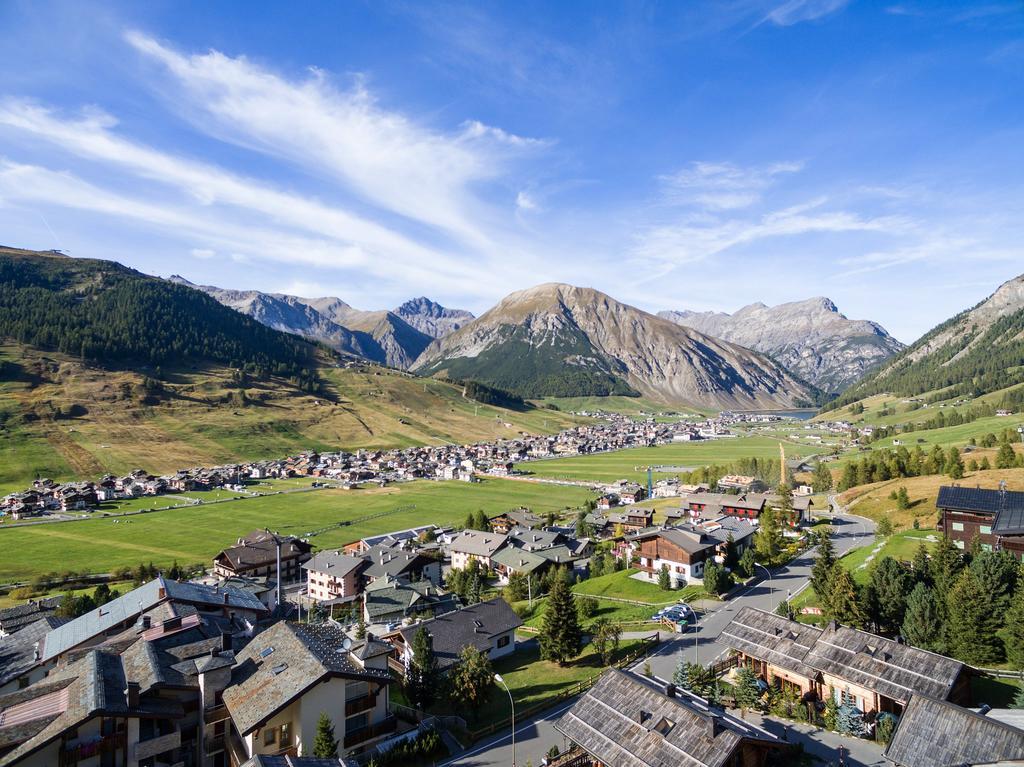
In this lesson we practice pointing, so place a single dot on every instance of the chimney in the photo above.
(713, 727)
(162, 593)
(132, 694)
(147, 622)
(833, 625)
(225, 597)
(670, 690)
(226, 642)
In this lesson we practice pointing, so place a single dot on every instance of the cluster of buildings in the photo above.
(629, 720)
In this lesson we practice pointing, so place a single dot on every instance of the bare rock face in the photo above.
(431, 318)
(381, 337)
(561, 340)
(811, 338)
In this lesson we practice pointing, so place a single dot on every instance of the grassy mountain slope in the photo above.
(62, 418)
(976, 352)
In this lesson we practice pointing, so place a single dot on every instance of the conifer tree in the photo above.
(845, 603)
(1013, 632)
(664, 578)
(768, 540)
(472, 679)
(922, 622)
(922, 567)
(421, 677)
(891, 585)
(560, 635)
(822, 482)
(325, 745)
(1005, 458)
(971, 624)
(954, 464)
(821, 572)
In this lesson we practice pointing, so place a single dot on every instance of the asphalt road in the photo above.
(535, 736)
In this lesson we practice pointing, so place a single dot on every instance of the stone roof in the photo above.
(894, 670)
(284, 661)
(934, 733)
(259, 549)
(15, 618)
(387, 596)
(18, 652)
(385, 561)
(629, 722)
(477, 543)
(476, 625)
(519, 560)
(334, 563)
(129, 606)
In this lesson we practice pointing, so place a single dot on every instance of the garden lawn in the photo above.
(633, 617)
(194, 534)
(532, 680)
(620, 585)
(998, 693)
(633, 463)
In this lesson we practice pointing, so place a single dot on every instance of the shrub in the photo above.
(586, 607)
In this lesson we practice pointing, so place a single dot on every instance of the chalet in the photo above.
(335, 578)
(852, 666)
(740, 482)
(686, 549)
(627, 721)
(996, 517)
(397, 563)
(634, 520)
(178, 598)
(391, 600)
(395, 539)
(488, 626)
(523, 519)
(257, 554)
(935, 732)
(292, 673)
(475, 545)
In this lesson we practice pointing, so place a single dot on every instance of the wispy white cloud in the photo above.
(382, 156)
(795, 11)
(722, 185)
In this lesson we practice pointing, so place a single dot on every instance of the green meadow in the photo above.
(633, 463)
(192, 534)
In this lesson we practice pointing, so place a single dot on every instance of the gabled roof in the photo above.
(259, 548)
(284, 661)
(979, 500)
(894, 670)
(129, 606)
(475, 625)
(385, 561)
(628, 722)
(477, 543)
(519, 560)
(18, 652)
(334, 563)
(14, 618)
(934, 733)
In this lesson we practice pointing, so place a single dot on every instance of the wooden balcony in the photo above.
(215, 714)
(384, 727)
(69, 757)
(359, 705)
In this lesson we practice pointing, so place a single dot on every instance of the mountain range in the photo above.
(980, 350)
(811, 338)
(561, 340)
(394, 338)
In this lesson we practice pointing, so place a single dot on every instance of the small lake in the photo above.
(800, 415)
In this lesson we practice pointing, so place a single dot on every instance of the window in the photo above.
(986, 547)
(959, 544)
(958, 527)
(503, 641)
(286, 735)
(357, 722)
(985, 529)
(270, 736)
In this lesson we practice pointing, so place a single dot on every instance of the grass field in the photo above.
(873, 501)
(631, 464)
(622, 585)
(196, 533)
(203, 418)
(906, 412)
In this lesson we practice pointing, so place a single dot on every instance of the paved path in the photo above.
(535, 736)
(703, 646)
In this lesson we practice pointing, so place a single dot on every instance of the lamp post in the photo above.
(771, 588)
(499, 680)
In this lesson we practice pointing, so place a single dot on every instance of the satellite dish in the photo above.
(346, 644)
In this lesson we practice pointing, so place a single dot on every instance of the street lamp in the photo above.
(771, 588)
(499, 680)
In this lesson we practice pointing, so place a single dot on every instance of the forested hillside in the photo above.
(100, 311)
(978, 351)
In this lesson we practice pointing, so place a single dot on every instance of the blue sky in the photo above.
(675, 155)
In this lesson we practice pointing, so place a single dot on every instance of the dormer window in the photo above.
(664, 726)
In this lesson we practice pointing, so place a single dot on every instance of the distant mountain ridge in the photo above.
(811, 338)
(391, 338)
(561, 340)
(977, 351)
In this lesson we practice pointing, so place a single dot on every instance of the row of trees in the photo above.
(969, 605)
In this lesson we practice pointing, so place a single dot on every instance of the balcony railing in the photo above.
(385, 727)
(215, 714)
(69, 757)
(358, 705)
(213, 744)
